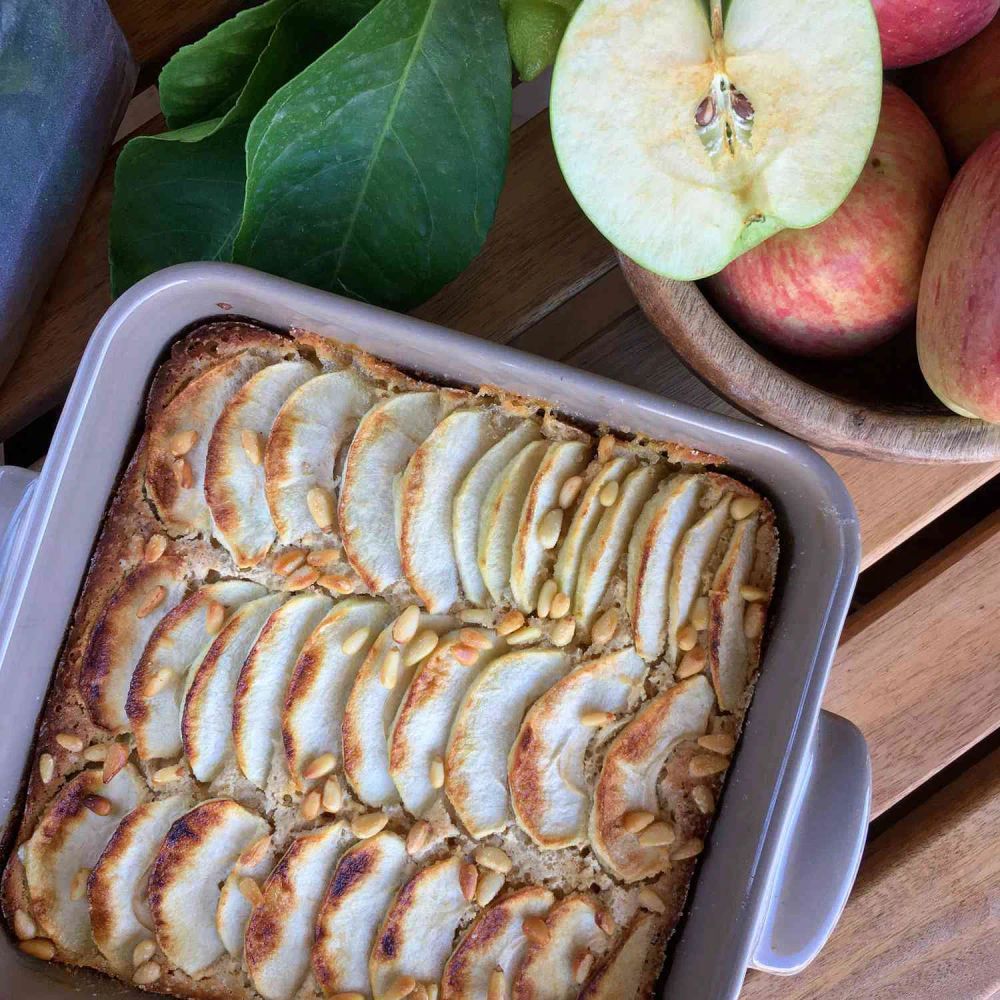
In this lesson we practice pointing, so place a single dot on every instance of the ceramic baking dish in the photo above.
(784, 850)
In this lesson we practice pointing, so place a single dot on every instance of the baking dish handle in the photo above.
(16, 488)
(822, 852)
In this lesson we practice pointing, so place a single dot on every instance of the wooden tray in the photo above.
(877, 406)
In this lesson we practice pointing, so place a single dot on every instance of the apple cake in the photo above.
(383, 688)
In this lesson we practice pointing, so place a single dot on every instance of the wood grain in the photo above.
(923, 922)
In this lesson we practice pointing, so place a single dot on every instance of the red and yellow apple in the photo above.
(913, 31)
(850, 283)
(960, 93)
(958, 316)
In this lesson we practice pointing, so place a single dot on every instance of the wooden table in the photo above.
(919, 665)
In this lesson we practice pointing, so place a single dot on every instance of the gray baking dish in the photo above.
(786, 844)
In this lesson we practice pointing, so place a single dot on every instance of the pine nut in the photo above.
(24, 926)
(158, 681)
(304, 576)
(182, 442)
(550, 527)
(604, 628)
(609, 493)
(721, 743)
(46, 767)
(436, 775)
(605, 922)
(146, 974)
(320, 767)
(97, 804)
(95, 754)
(78, 884)
(749, 593)
(569, 491)
(155, 548)
(563, 631)
(368, 824)
(311, 806)
(253, 445)
(606, 447)
(152, 602)
(169, 774)
(143, 952)
(338, 583)
(634, 822)
(649, 900)
(474, 638)
(401, 987)
(404, 628)
(546, 593)
(692, 662)
(525, 636)
(743, 507)
(114, 760)
(536, 930)
(595, 719)
(324, 558)
(41, 948)
(468, 879)
(689, 849)
(320, 504)
(289, 561)
(493, 858)
(215, 615)
(699, 614)
(753, 621)
(388, 674)
(423, 644)
(475, 616)
(490, 883)
(418, 837)
(466, 655)
(582, 965)
(420, 993)
(496, 988)
(353, 643)
(183, 473)
(657, 835)
(348, 996)
(332, 799)
(703, 799)
(251, 892)
(687, 637)
(560, 606)
(510, 622)
(70, 742)
(705, 765)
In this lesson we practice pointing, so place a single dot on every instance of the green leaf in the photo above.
(377, 170)
(534, 30)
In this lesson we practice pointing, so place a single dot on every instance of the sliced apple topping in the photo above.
(541, 519)
(69, 838)
(605, 548)
(548, 786)
(234, 465)
(311, 428)
(116, 644)
(364, 883)
(731, 653)
(263, 680)
(627, 785)
(691, 563)
(322, 680)
(195, 857)
(387, 436)
(372, 705)
(177, 643)
(119, 876)
(501, 514)
(662, 523)
(419, 734)
(280, 933)
(495, 940)
(178, 443)
(206, 721)
(485, 729)
(552, 962)
(241, 891)
(418, 932)
(469, 502)
(626, 967)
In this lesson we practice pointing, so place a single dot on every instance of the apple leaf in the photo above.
(376, 171)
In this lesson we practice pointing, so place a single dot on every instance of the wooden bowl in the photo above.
(877, 406)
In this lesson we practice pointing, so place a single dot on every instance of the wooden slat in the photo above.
(923, 922)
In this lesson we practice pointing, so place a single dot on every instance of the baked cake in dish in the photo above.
(381, 688)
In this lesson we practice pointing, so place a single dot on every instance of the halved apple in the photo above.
(529, 557)
(308, 433)
(631, 770)
(206, 721)
(233, 912)
(494, 940)
(431, 480)
(176, 644)
(626, 968)
(484, 731)
(279, 936)
(419, 732)
(322, 680)
(546, 770)
(363, 885)
(469, 501)
(688, 139)
(263, 680)
(234, 470)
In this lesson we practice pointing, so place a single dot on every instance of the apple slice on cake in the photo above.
(627, 966)
(233, 912)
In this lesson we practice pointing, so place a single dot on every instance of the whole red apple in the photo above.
(958, 316)
(960, 92)
(913, 31)
(850, 283)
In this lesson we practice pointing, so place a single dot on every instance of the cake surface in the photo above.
(378, 687)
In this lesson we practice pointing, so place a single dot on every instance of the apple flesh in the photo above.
(914, 31)
(850, 283)
(958, 315)
(687, 140)
(960, 92)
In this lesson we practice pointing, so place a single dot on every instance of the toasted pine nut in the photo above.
(146, 974)
(649, 900)
(70, 742)
(466, 655)
(143, 952)
(687, 637)
(169, 774)
(474, 638)
(353, 643)
(423, 644)
(333, 795)
(155, 548)
(320, 767)
(721, 743)
(215, 615)
(311, 806)
(550, 527)
(158, 681)
(182, 442)
(41, 948)
(605, 922)
(743, 507)
(468, 879)
(289, 561)
(496, 988)
(562, 632)
(114, 760)
(510, 622)
(704, 765)
(595, 719)
(417, 838)
(436, 775)
(401, 987)
(657, 835)
(546, 593)
(753, 621)
(250, 891)
(703, 799)
(368, 824)
(183, 473)
(634, 822)
(749, 593)
(689, 849)
(404, 628)
(493, 858)
(609, 493)
(560, 606)
(304, 576)
(152, 602)
(324, 558)
(569, 491)
(525, 636)
(78, 884)
(692, 662)
(24, 926)
(320, 504)
(475, 616)
(582, 965)
(96, 753)
(338, 583)
(256, 852)
(604, 628)
(490, 883)
(606, 447)
(388, 674)
(253, 445)
(97, 804)
(46, 767)
(536, 930)
(699, 614)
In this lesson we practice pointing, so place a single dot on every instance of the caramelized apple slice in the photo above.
(70, 836)
(631, 770)
(494, 940)
(197, 853)
(484, 731)
(280, 933)
(233, 912)
(626, 969)
(263, 680)
(363, 885)
(234, 465)
(548, 786)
